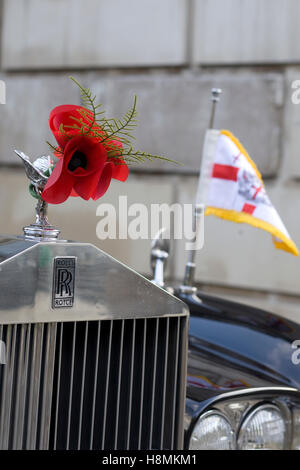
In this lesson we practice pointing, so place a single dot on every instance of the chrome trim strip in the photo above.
(47, 386)
(58, 385)
(95, 385)
(119, 385)
(71, 385)
(7, 386)
(107, 387)
(142, 384)
(21, 387)
(252, 391)
(175, 391)
(131, 384)
(35, 381)
(82, 384)
(154, 383)
(165, 385)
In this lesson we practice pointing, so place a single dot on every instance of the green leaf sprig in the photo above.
(93, 123)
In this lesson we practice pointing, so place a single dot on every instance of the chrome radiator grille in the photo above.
(93, 385)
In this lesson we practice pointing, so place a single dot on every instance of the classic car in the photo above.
(96, 359)
(95, 356)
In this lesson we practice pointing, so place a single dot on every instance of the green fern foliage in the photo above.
(93, 123)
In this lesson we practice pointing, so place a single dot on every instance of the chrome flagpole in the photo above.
(199, 209)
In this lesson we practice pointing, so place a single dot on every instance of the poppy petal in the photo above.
(64, 115)
(85, 187)
(59, 185)
(73, 193)
(61, 115)
(104, 181)
(120, 171)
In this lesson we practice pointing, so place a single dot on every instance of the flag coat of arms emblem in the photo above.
(232, 188)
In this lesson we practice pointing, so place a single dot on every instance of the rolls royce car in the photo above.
(93, 356)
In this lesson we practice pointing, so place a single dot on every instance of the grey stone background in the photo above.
(170, 53)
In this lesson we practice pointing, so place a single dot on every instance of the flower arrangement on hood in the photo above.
(91, 150)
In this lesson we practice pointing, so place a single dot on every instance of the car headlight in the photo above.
(212, 432)
(263, 428)
(261, 419)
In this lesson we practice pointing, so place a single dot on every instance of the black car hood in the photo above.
(234, 346)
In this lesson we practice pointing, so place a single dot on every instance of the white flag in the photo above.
(231, 187)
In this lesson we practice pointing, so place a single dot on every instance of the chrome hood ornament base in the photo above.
(41, 229)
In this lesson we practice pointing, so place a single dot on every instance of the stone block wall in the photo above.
(170, 53)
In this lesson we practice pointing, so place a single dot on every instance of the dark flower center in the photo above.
(78, 160)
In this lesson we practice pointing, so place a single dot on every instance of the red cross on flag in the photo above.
(231, 187)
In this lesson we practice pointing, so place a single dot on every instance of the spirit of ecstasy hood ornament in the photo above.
(91, 150)
(35, 173)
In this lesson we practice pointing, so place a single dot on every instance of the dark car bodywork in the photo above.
(234, 348)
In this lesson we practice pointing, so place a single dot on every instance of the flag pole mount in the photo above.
(190, 267)
(215, 98)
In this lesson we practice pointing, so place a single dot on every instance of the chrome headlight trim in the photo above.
(238, 404)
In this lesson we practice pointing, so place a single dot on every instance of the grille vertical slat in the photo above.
(20, 371)
(164, 386)
(34, 386)
(154, 383)
(131, 384)
(181, 381)
(25, 379)
(71, 384)
(107, 385)
(21, 386)
(82, 384)
(119, 385)
(95, 385)
(142, 384)
(175, 388)
(2, 352)
(8, 384)
(47, 386)
(2, 371)
(58, 384)
(110, 384)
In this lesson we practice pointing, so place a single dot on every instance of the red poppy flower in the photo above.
(83, 169)
(66, 115)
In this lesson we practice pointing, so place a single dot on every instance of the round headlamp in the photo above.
(212, 431)
(264, 428)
